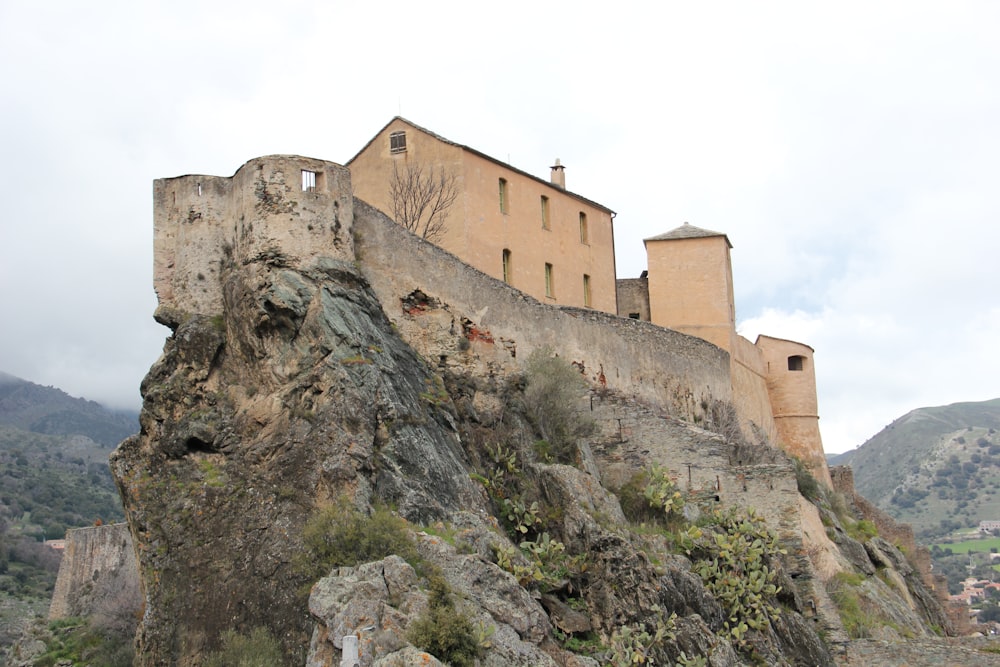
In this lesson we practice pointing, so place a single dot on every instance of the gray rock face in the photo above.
(299, 392)
(379, 601)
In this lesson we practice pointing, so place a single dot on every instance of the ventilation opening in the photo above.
(397, 142)
(633, 316)
(795, 362)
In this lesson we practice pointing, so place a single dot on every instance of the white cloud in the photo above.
(848, 151)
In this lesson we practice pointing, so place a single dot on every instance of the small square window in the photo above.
(308, 181)
(397, 142)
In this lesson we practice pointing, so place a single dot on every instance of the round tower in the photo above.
(791, 388)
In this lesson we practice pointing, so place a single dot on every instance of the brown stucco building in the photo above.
(534, 234)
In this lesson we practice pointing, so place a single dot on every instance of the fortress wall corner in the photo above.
(290, 207)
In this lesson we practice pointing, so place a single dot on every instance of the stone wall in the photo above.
(264, 210)
(453, 313)
(98, 573)
(633, 297)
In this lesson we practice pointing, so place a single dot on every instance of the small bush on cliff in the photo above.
(258, 649)
(444, 632)
(808, 486)
(552, 398)
(339, 536)
(855, 611)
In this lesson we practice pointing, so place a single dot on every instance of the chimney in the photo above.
(558, 175)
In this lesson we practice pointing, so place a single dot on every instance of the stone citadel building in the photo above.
(533, 235)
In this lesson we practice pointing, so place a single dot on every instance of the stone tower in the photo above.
(287, 208)
(791, 387)
(691, 284)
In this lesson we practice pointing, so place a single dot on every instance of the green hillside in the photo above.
(937, 469)
(54, 475)
(32, 407)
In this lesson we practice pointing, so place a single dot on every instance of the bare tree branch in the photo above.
(421, 198)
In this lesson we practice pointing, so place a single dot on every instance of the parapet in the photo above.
(279, 208)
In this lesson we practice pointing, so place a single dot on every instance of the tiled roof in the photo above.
(688, 231)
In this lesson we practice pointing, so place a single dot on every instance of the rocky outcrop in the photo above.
(298, 393)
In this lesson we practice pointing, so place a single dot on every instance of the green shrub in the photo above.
(635, 506)
(808, 486)
(862, 531)
(553, 394)
(259, 649)
(858, 621)
(339, 536)
(81, 641)
(443, 631)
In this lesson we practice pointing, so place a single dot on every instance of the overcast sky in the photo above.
(850, 150)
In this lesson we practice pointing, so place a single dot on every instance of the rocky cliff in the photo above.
(335, 452)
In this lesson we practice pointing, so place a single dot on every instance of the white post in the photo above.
(349, 656)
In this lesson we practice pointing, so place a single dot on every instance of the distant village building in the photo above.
(988, 526)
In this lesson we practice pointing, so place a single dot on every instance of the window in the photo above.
(545, 212)
(549, 288)
(583, 228)
(397, 142)
(586, 290)
(503, 196)
(506, 265)
(633, 316)
(795, 362)
(308, 181)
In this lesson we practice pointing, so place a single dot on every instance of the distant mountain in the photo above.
(935, 468)
(37, 409)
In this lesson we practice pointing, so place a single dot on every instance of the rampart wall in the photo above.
(750, 390)
(502, 326)
(98, 573)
